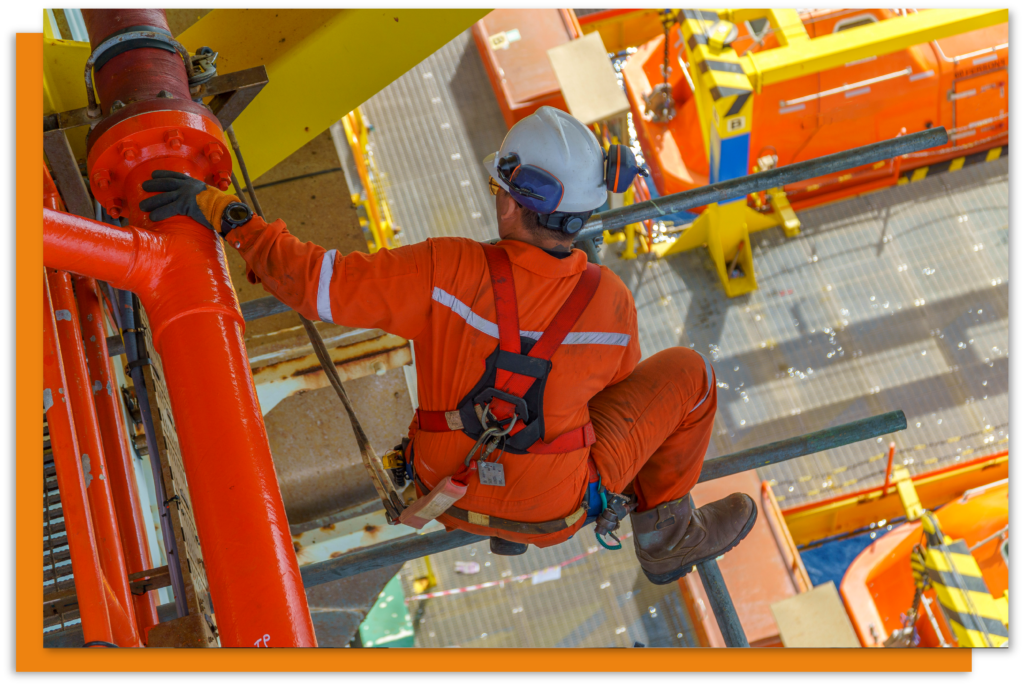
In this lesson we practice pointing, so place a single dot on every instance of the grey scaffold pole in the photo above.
(721, 605)
(763, 181)
(408, 548)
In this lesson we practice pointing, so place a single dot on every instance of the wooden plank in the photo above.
(588, 80)
(197, 593)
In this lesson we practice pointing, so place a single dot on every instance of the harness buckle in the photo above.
(489, 394)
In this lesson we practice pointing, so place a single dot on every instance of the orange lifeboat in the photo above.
(958, 82)
(878, 588)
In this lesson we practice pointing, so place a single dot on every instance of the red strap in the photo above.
(504, 289)
(433, 421)
(567, 442)
(503, 286)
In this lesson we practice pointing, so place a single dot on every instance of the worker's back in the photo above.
(461, 333)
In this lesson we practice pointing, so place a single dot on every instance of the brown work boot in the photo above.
(672, 538)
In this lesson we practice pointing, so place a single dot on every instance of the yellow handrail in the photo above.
(378, 214)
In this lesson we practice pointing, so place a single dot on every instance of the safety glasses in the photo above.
(530, 186)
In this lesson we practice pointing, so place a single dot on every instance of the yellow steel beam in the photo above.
(880, 38)
(322, 64)
(788, 27)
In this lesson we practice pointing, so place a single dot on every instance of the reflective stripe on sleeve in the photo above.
(482, 325)
(323, 291)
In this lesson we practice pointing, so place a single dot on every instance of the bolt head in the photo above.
(223, 180)
(129, 151)
(174, 139)
(115, 208)
(101, 178)
(214, 151)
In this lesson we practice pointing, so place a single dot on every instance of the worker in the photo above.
(530, 386)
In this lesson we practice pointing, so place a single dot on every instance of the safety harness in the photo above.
(511, 391)
(507, 404)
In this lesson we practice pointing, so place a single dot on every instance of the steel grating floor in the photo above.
(893, 300)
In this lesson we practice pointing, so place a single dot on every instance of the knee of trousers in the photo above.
(686, 363)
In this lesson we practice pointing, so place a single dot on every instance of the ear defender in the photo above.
(620, 168)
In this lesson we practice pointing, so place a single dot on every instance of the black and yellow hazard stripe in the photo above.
(969, 608)
(955, 164)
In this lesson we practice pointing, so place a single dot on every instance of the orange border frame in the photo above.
(32, 657)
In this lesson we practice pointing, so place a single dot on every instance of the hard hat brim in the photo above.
(491, 165)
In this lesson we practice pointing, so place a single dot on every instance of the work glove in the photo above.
(181, 195)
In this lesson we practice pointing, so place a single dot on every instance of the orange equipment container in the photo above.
(959, 82)
(514, 46)
(878, 587)
(765, 569)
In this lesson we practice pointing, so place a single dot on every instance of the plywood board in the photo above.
(587, 79)
(816, 619)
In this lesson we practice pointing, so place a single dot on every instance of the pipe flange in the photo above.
(130, 39)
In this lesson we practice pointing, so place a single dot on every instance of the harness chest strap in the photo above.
(514, 383)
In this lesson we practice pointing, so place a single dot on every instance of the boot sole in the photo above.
(669, 577)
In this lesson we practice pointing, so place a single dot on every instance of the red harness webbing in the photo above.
(503, 286)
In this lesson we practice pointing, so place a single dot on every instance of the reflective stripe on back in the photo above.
(482, 325)
(323, 290)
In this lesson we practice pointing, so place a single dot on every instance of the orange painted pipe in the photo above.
(121, 626)
(120, 466)
(87, 430)
(85, 560)
(179, 272)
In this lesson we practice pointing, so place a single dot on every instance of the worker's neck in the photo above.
(543, 242)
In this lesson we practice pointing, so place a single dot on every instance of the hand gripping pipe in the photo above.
(97, 484)
(85, 560)
(763, 181)
(179, 272)
(120, 469)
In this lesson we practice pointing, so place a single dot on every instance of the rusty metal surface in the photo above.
(231, 93)
(184, 632)
(339, 607)
(66, 173)
(318, 463)
(375, 356)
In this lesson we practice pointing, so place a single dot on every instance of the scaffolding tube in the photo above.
(755, 183)
(408, 548)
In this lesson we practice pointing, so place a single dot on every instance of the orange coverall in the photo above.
(652, 420)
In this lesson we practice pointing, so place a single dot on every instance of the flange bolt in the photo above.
(129, 151)
(174, 139)
(214, 151)
(222, 180)
(101, 178)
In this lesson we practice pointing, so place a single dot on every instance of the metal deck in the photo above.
(893, 300)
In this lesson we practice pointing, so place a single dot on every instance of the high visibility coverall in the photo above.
(652, 420)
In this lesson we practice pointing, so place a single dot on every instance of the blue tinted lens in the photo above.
(536, 182)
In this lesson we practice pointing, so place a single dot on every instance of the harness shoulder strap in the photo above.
(506, 309)
(505, 305)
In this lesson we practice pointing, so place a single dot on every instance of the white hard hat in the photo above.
(558, 143)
